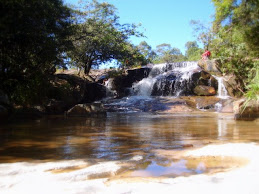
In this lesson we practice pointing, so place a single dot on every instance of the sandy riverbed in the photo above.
(238, 174)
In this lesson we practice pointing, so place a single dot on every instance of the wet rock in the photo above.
(56, 106)
(171, 83)
(89, 109)
(175, 106)
(93, 92)
(138, 74)
(178, 108)
(246, 110)
(204, 78)
(68, 90)
(233, 86)
(201, 102)
(122, 83)
(202, 90)
(227, 106)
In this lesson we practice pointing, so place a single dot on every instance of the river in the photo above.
(126, 152)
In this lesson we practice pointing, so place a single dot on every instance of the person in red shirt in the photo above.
(206, 55)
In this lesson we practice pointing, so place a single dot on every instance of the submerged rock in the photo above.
(202, 90)
(89, 109)
(202, 102)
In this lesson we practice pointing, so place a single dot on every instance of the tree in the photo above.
(99, 36)
(146, 51)
(132, 57)
(203, 32)
(236, 42)
(167, 54)
(32, 41)
(240, 15)
(193, 52)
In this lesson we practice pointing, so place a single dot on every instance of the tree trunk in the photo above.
(87, 67)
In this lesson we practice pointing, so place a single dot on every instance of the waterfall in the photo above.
(222, 91)
(108, 84)
(171, 79)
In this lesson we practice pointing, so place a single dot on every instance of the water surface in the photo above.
(118, 136)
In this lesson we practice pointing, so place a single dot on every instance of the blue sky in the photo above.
(163, 21)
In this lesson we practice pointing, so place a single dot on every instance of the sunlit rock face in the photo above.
(211, 66)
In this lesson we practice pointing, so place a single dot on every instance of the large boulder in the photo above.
(233, 85)
(89, 109)
(202, 90)
(67, 90)
(246, 110)
(211, 66)
(138, 74)
(93, 92)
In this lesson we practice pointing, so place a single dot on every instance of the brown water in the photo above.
(118, 136)
(72, 152)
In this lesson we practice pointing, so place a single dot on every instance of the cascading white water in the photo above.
(166, 79)
(108, 85)
(222, 91)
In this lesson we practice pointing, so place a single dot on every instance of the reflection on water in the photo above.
(173, 169)
(118, 136)
(84, 155)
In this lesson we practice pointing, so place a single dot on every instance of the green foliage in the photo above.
(243, 16)
(32, 42)
(167, 54)
(146, 51)
(193, 52)
(252, 93)
(253, 86)
(99, 37)
(235, 43)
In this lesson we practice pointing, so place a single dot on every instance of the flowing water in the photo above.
(171, 79)
(113, 153)
(222, 91)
